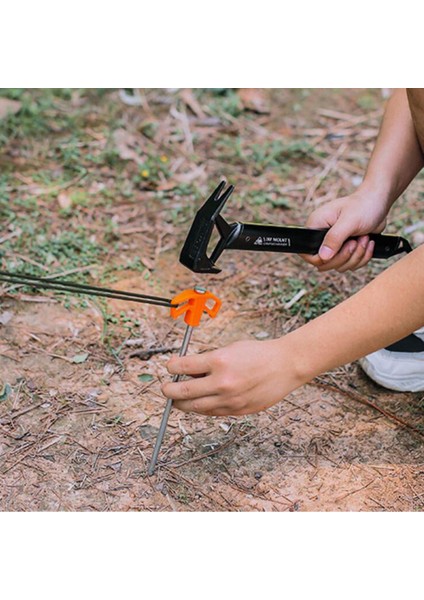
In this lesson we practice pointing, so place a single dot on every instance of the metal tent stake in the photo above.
(61, 285)
(167, 411)
(191, 303)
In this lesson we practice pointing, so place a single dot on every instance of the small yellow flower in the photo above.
(164, 158)
(145, 173)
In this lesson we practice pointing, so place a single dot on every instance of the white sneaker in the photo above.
(398, 367)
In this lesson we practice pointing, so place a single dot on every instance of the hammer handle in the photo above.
(300, 240)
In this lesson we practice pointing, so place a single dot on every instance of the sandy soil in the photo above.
(79, 436)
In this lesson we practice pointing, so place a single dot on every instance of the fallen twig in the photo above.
(328, 167)
(351, 119)
(10, 236)
(354, 491)
(295, 298)
(4, 420)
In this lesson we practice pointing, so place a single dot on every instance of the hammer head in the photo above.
(193, 255)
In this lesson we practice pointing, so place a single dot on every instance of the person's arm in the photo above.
(396, 159)
(250, 376)
(397, 155)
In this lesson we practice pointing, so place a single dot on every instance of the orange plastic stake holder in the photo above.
(192, 304)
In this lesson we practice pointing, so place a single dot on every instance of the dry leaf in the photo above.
(371, 132)
(225, 427)
(125, 143)
(197, 173)
(64, 200)
(262, 335)
(147, 262)
(145, 377)
(418, 238)
(9, 107)
(5, 392)
(5, 317)
(130, 97)
(79, 358)
(190, 100)
(166, 186)
(254, 99)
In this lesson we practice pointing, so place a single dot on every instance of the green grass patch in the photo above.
(315, 302)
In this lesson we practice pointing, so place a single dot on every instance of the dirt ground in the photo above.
(105, 192)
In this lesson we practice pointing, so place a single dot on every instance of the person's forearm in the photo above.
(397, 156)
(383, 312)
